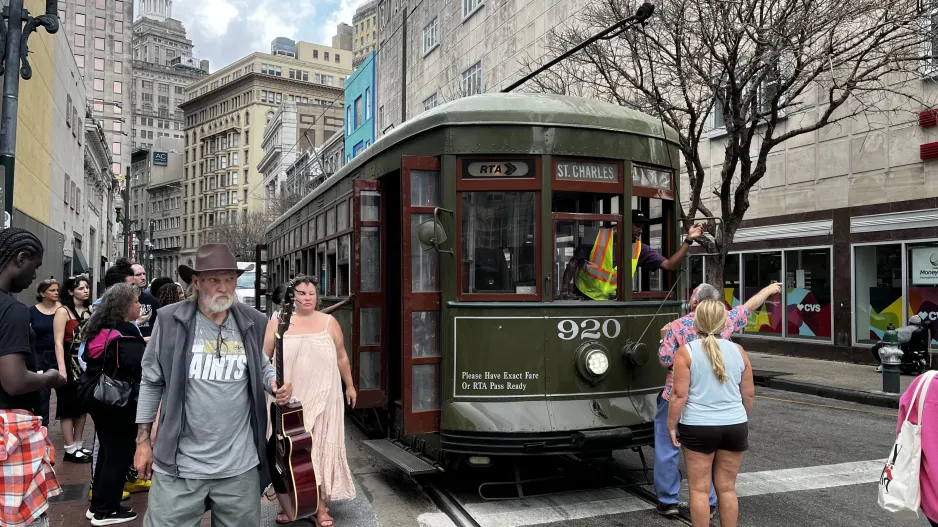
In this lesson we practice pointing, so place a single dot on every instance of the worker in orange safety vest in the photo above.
(593, 273)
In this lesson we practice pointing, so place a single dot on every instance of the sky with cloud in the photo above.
(223, 31)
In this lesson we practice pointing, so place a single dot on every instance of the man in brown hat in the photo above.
(205, 361)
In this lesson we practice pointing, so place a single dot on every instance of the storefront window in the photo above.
(878, 293)
(808, 293)
(586, 260)
(732, 290)
(759, 270)
(923, 283)
(498, 243)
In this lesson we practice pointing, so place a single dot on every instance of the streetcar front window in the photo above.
(499, 242)
(586, 259)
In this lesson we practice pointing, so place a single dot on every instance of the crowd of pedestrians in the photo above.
(195, 363)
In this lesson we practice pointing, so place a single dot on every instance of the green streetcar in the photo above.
(462, 235)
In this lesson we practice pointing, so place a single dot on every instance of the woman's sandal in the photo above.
(282, 519)
(323, 519)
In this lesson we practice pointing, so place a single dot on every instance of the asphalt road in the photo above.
(812, 462)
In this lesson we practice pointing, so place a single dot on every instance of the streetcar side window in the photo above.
(586, 259)
(653, 235)
(499, 242)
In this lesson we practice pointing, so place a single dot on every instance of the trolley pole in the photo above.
(642, 14)
(13, 40)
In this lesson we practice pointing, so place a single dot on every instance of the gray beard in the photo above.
(214, 305)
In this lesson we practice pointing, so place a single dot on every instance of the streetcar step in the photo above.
(402, 459)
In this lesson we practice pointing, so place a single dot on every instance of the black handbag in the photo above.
(109, 391)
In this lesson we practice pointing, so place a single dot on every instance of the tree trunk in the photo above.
(715, 266)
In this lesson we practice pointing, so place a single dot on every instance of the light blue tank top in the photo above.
(710, 403)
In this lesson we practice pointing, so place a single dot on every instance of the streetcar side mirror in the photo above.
(431, 234)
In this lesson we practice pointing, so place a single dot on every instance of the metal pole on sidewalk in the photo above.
(13, 39)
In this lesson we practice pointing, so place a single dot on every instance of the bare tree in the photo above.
(750, 74)
(244, 232)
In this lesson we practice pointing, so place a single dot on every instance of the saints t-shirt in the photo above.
(16, 336)
(217, 440)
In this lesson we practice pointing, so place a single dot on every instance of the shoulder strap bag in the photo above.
(899, 487)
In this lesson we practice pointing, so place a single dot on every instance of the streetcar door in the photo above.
(421, 355)
(260, 277)
(369, 341)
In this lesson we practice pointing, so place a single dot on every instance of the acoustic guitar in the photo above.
(291, 457)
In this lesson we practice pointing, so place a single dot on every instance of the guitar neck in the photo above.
(279, 356)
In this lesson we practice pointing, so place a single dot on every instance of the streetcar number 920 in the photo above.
(588, 329)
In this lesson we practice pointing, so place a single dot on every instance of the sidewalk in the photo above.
(68, 509)
(835, 380)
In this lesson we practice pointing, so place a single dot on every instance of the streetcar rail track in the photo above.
(448, 504)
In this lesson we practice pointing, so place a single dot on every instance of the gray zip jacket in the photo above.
(164, 379)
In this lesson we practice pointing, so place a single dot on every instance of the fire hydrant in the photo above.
(891, 356)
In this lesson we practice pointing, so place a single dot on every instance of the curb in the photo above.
(881, 399)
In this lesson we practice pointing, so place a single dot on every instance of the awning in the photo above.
(80, 264)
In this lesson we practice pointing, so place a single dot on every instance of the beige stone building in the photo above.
(365, 24)
(456, 48)
(225, 116)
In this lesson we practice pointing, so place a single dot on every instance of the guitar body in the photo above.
(293, 460)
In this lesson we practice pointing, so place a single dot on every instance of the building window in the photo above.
(116, 148)
(470, 6)
(118, 27)
(98, 64)
(359, 113)
(381, 118)
(430, 102)
(878, 290)
(118, 66)
(79, 40)
(118, 46)
(367, 103)
(100, 4)
(98, 105)
(68, 110)
(99, 43)
(116, 126)
(118, 87)
(79, 20)
(325, 55)
(116, 168)
(80, 61)
(348, 121)
(471, 80)
(431, 35)
(763, 268)
(99, 23)
(808, 305)
(98, 84)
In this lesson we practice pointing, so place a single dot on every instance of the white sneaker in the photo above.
(113, 518)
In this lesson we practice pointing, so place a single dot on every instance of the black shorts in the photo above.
(709, 439)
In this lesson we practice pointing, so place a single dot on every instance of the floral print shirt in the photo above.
(682, 331)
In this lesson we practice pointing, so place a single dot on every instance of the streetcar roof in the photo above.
(533, 109)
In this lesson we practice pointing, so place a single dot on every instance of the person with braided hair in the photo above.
(708, 416)
(26, 469)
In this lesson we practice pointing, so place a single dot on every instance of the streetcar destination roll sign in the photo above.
(569, 170)
(497, 169)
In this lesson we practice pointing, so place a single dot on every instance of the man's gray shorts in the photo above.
(178, 502)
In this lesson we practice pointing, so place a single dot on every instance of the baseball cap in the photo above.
(639, 217)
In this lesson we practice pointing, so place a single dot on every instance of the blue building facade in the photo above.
(360, 120)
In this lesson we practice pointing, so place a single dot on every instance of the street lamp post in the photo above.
(13, 41)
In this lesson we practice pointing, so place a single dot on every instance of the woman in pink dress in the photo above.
(314, 358)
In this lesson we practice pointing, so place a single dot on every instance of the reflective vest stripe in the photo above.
(597, 279)
(637, 253)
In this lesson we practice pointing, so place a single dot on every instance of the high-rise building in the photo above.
(163, 66)
(365, 37)
(100, 35)
(155, 201)
(343, 37)
(225, 116)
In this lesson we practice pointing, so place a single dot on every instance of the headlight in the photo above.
(597, 362)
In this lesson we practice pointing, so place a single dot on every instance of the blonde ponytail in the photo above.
(709, 321)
